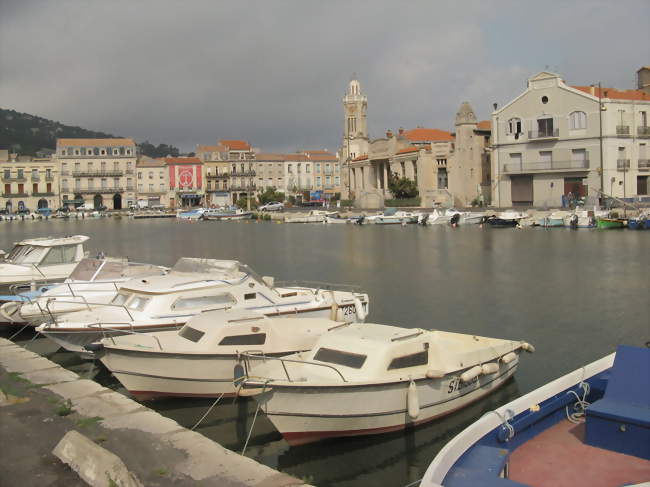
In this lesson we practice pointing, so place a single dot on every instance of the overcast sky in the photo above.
(274, 72)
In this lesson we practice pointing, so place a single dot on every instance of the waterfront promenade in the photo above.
(59, 429)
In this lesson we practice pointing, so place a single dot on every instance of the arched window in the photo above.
(515, 127)
(577, 120)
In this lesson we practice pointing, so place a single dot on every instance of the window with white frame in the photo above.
(515, 126)
(577, 120)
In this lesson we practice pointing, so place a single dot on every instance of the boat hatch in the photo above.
(338, 357)
(191, 334)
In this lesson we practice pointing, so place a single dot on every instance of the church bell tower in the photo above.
(355, 133)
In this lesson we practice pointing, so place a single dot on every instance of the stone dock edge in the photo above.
(134, 439)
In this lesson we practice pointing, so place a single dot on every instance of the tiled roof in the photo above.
(211, 148)
(484, 125)
(150, 162)
(95, 142)
(406, 150)
(314, 152)
(270, 157)
(236, 144)
(428, 135)
(360, 158)
(614, 94)
(182, 160)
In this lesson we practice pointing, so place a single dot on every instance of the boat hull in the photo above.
(610, 223)
(305, 414)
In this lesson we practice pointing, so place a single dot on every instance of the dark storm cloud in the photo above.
(274, 72)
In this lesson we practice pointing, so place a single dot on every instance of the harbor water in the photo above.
(574, 294)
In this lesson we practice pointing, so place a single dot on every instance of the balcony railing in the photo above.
(129, 171)
(623, 130)
(545, 166)
(544, 134)
(97, 174)
(99, 190)
(15, 179)
(622, 164)
(643, 131)
(15, 195)
(243, 173)
(217, 176)
(36, 178)
(49, 177)
(43, 193)
(644, 164)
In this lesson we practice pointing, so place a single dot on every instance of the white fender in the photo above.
(471, 374)
(361, 314)
(412, 402)
(435, 374)
(508, 357)
(490, 368)
(527, 347)
(9, 311)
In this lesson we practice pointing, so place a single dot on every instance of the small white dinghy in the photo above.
(370, 379)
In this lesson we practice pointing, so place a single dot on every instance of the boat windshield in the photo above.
(120, 298)
(26, 255)
(138, 303)
(338, 357)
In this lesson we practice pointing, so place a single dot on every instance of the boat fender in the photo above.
(412, 402)
(238, 374)
(361, 314)
(335, 307)
(471, 374)
(435, 374)
(508, 357)
(490, 368)
(527, 347)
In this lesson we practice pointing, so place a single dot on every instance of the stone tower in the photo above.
(355, 131)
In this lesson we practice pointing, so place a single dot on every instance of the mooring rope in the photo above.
(207, 412)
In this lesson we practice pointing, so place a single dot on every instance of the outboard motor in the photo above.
(455, 219)
(424, 219)
(360, 220)
(573, 223)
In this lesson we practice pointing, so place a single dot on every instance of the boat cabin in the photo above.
(47, 251)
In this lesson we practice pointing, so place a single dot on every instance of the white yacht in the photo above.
(392, 216)
(41, 259)
(370, 379)
(199, 359)
(93, 282)
(191, 287)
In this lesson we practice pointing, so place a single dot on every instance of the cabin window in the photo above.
(60, 255)
(138, 303)
(191, 334)
(203, 301)
(337, 357)
(120, 299)
(250, 295)
(26, 255)
(254, 339)
(413, 360)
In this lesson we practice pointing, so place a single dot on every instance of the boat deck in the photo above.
(558, 457)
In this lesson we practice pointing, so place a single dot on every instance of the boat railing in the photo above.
(89, 304)
(246, 357)
(111, 336)
(318, 285)
(70, 285)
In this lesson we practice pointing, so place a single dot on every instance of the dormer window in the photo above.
(577, 120)
(128, 152)
(89, 152)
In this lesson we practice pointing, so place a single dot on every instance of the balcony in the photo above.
(643, 131)
(15, 179)
(129, 171)
(99, 190)
(35, 177)
(96, 174)
(543, 134)
(15, 195)
(246, 174)
(546, 166)
(44, 193)
(623, 130)
(644, 164)
(49, 177)
(217, 176)
(622, 164)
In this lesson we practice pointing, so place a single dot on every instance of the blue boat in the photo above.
(640, 223)
(589, 427)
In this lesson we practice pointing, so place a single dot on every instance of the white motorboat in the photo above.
(41, 259)
(314, 216)
(555, 219)
(437, 217)
(195, 214)
(199, 359)
(226, 214)
(392, 216)
(93, 282)
(580, 219)
(193, 286)
(370, 379)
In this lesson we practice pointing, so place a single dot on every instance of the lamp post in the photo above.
(600, 137)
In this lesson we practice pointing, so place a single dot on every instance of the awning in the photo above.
(189, 196)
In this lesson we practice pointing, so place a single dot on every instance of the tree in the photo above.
(270, 194)
(402, 188)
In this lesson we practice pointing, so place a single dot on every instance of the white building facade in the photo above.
(547, 144)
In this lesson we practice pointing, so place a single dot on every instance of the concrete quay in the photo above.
(58, 429)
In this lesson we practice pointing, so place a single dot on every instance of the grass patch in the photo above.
(100, 439)
(17, 377)
(111, 482)
(85, 422)
(64, 408)
(163, 472)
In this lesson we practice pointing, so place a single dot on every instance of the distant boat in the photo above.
(610, 223)
(314, 216)
(642, 222)
(226, 214)
(506, 219)
(191, 214)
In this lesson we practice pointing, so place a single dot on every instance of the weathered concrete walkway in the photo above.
(41, 402)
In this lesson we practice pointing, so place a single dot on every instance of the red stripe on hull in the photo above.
(146, 395)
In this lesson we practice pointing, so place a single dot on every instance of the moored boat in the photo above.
(194, 214)
(371, 379)
(314, 216)
(610, 223)
(228, 214)
(506, 219)
(589, 427)
(198, 360)
(642, 222)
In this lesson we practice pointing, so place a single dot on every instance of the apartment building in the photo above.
(326, 172)
(28, 183)
(186, 183)
(270, 172)
(240, 157)
(217, 173)
(152, 182)
(555, 140)
(100, 172)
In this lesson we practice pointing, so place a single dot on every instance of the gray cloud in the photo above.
(274, 72)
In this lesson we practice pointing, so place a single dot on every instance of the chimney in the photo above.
(389, 133)
(494, 105)
(401, 131)
(592, 90)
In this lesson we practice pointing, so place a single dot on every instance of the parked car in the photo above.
(23, 211)
(272, 206)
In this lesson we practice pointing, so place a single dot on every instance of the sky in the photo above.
(274, 72)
